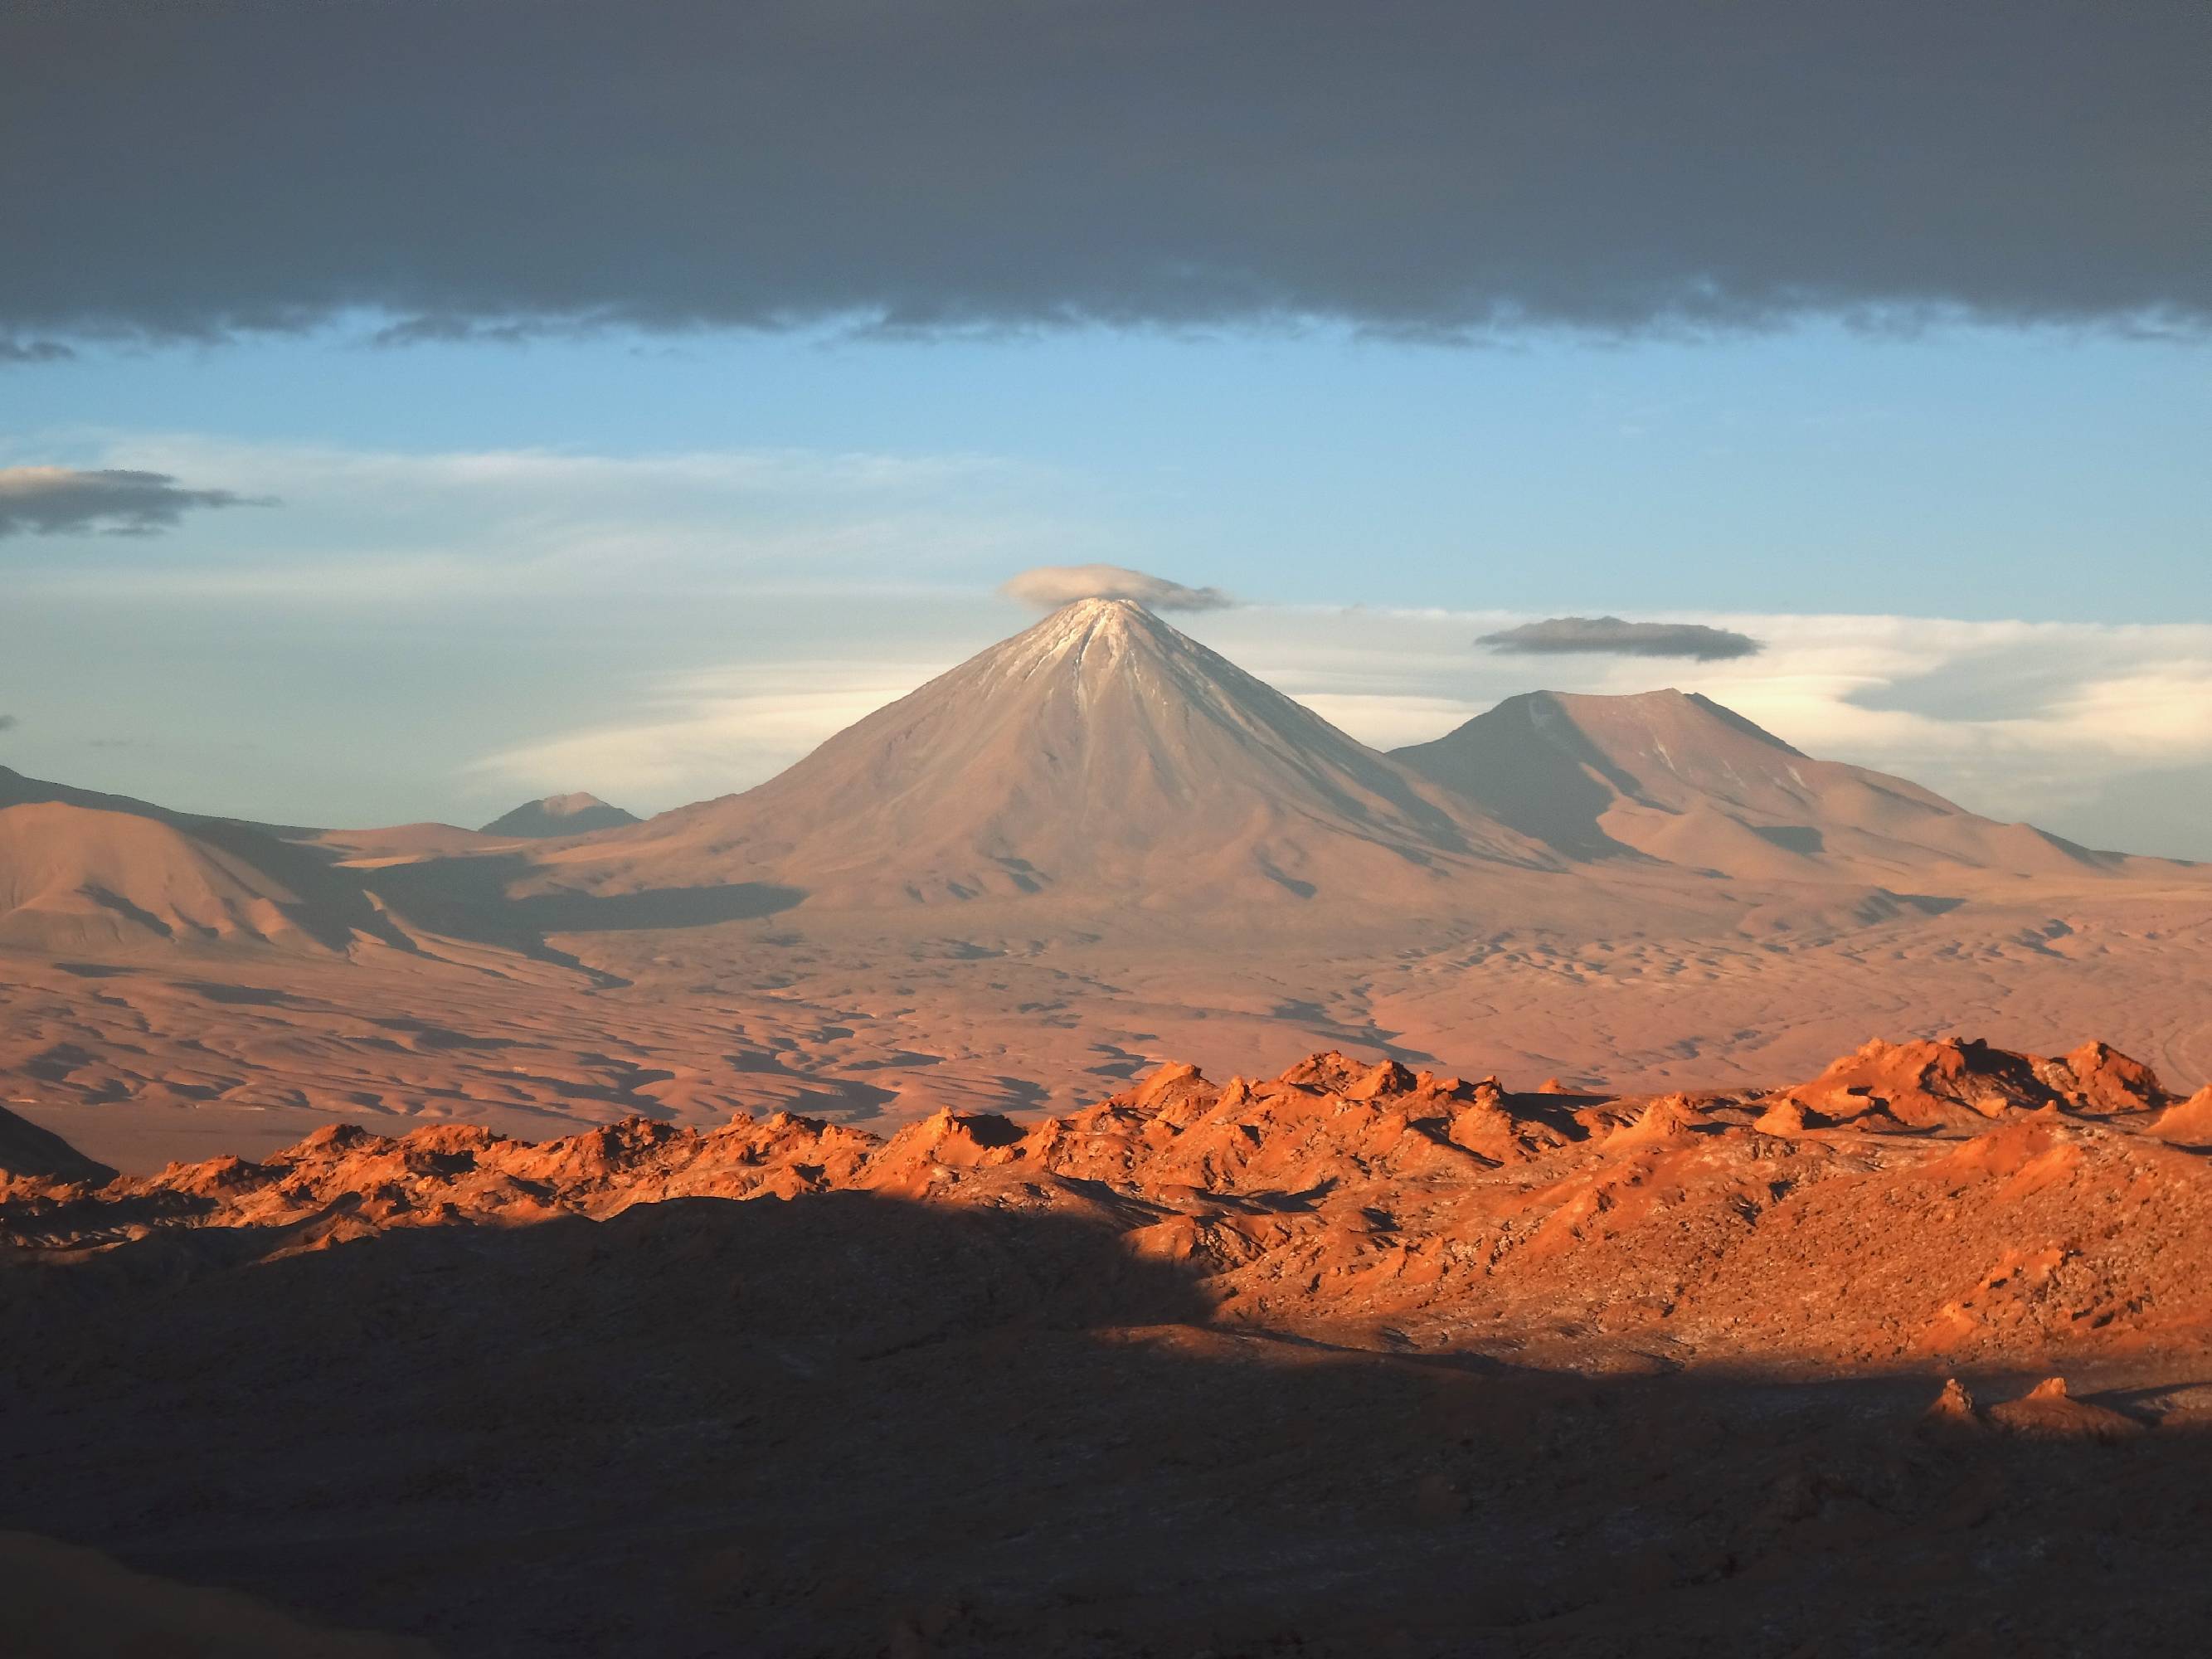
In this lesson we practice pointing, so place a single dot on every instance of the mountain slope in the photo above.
(560, 815)
(30, 1152)
(81, 870)
(1101, 752)
(1679, 778)
(73, 877)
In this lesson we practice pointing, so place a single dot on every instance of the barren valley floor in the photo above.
(159, 1053)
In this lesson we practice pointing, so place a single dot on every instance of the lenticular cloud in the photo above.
(1562, 636)
(1049, 587)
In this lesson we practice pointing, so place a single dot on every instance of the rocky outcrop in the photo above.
(1509, 1365)
(1917, 1199)
(1955, 1082)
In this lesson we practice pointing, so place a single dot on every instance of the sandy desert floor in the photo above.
(159, 1054)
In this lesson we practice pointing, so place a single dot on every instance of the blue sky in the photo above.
(1978, 472)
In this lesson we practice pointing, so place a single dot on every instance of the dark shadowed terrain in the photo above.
(1406, 1366)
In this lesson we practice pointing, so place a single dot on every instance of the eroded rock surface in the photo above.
(1355, 1360)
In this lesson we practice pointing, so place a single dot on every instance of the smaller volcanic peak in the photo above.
(555, 816)
(1675, 777)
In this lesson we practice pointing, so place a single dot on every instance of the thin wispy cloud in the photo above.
(401, 530)
(1049, 587)
(694, 735)
(57, 500)
(1609, 636)
(34, 351)
(1618, 168)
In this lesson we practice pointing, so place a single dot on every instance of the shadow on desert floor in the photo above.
(847, 1423)
(468, 898)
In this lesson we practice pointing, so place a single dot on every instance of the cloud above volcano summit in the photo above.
(1049, 587)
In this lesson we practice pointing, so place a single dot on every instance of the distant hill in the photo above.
(83, 870)
(560, 815)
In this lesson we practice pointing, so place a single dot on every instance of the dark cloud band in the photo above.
(1562, 636)
(34, 351)
(55, 500)
(1423, 167)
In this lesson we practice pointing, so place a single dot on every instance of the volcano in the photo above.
(560, 815)
(1677, 777)
(1101, 752)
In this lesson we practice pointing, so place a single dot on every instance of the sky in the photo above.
(408, 408)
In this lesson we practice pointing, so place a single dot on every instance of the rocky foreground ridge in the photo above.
(1910, 1358)
(1914, 1201)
